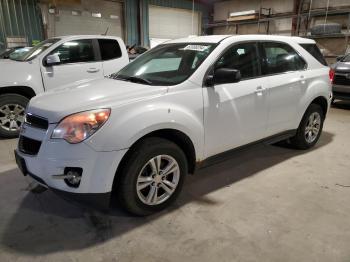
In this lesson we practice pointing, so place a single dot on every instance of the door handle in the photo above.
(259, 90)
(93, 70)
(302, 79)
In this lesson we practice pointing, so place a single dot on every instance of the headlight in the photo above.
(78, 127)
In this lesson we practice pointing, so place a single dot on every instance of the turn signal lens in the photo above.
(80, 126)
(331, 75)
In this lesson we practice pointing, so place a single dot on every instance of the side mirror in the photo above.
(224, 76)
(52, 60)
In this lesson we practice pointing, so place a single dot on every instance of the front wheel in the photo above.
(310, 128)
(152, 176)
(12, 109)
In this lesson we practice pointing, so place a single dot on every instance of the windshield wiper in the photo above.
(134, 79)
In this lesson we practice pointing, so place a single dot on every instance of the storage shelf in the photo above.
(313, 13)
(328, 36)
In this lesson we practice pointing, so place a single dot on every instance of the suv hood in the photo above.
(342, 67)
(102, 93)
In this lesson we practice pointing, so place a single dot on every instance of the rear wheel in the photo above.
(310, 128)
(152, 176)
(12, 109)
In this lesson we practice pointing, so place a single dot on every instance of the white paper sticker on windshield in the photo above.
(47, 44)
(199, 48)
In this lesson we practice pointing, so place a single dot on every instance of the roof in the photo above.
(219, 38)
(200, 39)
(86, 36)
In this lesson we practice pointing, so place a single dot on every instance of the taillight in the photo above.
(331, 75)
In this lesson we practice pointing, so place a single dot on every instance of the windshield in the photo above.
(19, 53)
(36, 50)
(168, 64)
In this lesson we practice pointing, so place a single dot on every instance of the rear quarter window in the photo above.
(109, 49)
(315, 52)
(280, 58)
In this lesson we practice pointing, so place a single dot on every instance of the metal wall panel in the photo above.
(20, 18)
(172, 23)
(182, 4)
(78, 19)
(136, 27)
(131, 10)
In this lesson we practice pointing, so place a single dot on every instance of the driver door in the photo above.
(236, 114)
(77, 62)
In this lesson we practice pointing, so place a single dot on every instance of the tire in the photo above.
(303, 139)
(12, 108)
(136, 184)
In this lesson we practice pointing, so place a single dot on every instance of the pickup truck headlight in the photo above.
(78, 127)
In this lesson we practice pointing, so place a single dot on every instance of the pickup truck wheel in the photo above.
(12, 109)
(152, 176)
(310, 128)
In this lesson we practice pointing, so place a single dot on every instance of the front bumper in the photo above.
(55, 155)
(341, 92)
(341, 89)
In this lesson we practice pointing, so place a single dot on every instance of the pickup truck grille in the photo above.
(28, 146)
(341, 80)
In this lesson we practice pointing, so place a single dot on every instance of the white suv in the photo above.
(178, 107)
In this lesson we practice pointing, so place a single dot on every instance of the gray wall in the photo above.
(55, 24)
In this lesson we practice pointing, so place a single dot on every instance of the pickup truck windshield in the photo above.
(168, 64)
(36, 50)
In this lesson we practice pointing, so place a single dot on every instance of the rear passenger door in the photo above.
(78, 61)
(284, 71)
(112, 56)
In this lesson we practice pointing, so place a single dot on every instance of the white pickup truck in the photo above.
(52, 63)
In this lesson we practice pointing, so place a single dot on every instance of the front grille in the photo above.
(36, 121)
(341, 80)
(28, 146)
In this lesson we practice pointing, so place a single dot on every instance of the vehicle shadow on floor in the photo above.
(37, 224)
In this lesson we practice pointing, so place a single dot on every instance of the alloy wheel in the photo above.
(158, 180)
(313, 127)
(11, 117)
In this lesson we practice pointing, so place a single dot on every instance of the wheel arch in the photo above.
(176, 136)
(25, 91)
(322, 102)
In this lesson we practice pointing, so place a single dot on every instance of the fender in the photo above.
(21, 74)
(318, 87)
(130, 123)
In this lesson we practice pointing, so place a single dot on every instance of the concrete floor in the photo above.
(266, 204)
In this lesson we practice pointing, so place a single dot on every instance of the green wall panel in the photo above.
(20, 18)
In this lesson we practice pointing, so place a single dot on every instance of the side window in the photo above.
(279, 58)
(109, 49)
(75, 51)
(243, 57)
